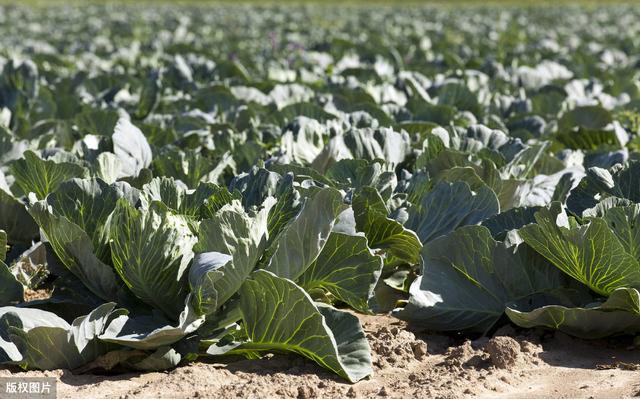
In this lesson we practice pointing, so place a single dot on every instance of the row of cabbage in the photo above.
(194, 182)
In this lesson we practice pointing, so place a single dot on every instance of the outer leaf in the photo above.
(279, 316)
(202, 202)
(302, 173)
(34, 174)
(591, 254)
(512, 219)
(370, 144)
(353, 349)
(256, 186)
(11, 148)
(619, 314)
(346, 268)
(25, 319)
(469, 277)
(131, 147)
(76, 252)
(15, 220)
(151, 332)
(164, 358)
(149, 95)
(85, 329)
(88, 203)
(234, 242)
(625, 224)
(360, 174)
(590, 127)
(301, 242)
(307, 110)
(303, 139)
(190, 166)
(42, 340)
(11, 290)
(449, 206)
(601, 183)
(204, 277)
(220, 197)
(382, 232)
(286, 207)
(96, 121)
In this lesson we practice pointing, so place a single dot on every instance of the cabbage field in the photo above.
(200, 183)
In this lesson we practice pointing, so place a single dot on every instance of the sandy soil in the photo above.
(511, 365)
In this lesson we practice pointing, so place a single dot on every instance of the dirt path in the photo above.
(509, 366)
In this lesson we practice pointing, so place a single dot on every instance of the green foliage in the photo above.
(231, 182)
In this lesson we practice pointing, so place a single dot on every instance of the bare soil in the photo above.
(510, 365)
